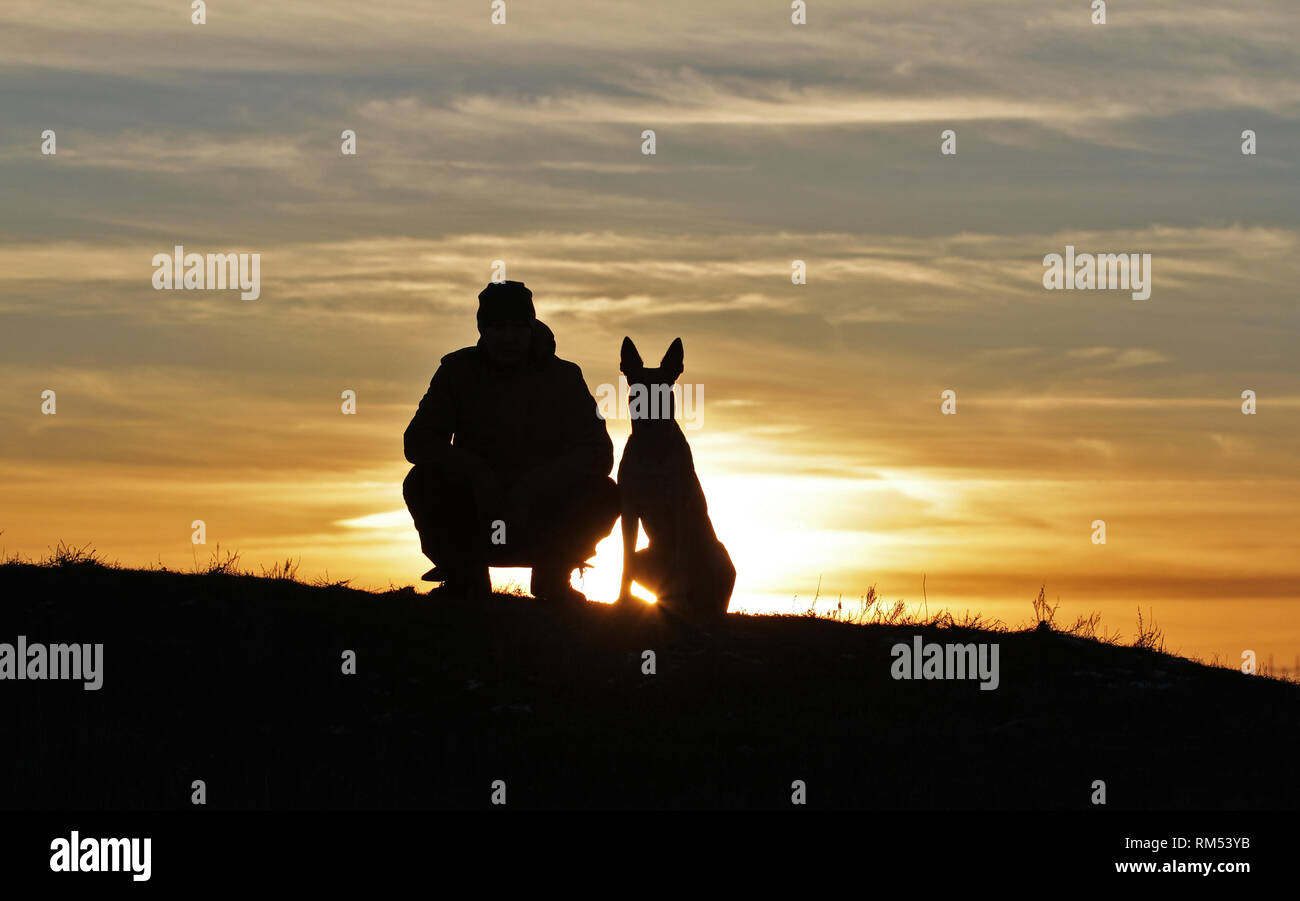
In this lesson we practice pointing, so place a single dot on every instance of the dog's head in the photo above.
(653, 399)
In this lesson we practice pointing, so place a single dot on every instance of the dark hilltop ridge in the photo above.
(236, 680)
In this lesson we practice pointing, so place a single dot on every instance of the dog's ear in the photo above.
(628, 358)
(671, 364)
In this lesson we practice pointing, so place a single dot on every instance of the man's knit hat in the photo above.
(500, 301)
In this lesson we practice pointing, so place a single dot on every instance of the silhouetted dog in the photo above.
(685, 565)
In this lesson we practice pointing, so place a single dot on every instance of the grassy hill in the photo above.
(236, 680)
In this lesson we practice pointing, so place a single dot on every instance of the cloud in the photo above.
(1118, 358)
(775, 143)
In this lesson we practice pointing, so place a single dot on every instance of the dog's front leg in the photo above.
(630, 518)
(681, 557)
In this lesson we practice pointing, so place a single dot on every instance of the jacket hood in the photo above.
(543, 344)
(543, 340)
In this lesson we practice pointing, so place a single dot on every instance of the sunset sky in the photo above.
(822, 449)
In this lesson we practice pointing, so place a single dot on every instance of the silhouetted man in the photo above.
(511, 459)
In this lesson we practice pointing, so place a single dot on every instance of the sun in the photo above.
(602, 579)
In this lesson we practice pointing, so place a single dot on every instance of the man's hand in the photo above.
(497, 499)
(489, 493)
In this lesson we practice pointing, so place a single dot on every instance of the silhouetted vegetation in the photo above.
(236, 679)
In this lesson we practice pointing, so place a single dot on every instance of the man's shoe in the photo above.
(478, 583)
(552, 585)
(568, 596)
(471, 582)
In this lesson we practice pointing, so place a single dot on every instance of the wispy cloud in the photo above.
(775, 143)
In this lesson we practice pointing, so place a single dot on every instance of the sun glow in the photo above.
(777, 536)
(602, 579)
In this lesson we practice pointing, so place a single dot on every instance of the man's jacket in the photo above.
(537, 423)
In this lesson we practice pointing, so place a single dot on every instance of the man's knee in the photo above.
(588, 503)
(412, 484)
(586, 515)
(425, 482)
(429, 495)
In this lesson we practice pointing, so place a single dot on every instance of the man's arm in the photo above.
(427, 441)
(588, 452)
